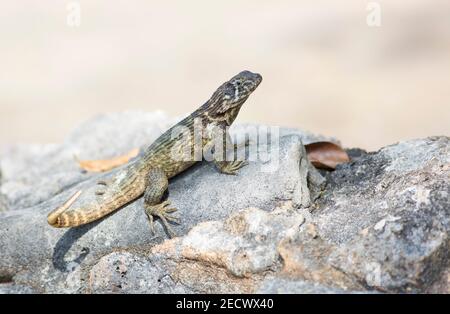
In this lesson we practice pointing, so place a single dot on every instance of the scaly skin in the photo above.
(149, 174)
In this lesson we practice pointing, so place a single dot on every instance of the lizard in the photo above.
(149, 174)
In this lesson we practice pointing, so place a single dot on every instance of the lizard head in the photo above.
(232, 94)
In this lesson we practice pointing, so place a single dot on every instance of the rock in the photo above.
(442, 285)
(10, 288)
(215, 256)
(286, 286)
(380, 225)
(388, 213)
(305, 257)
(53, 259)
(124, 272)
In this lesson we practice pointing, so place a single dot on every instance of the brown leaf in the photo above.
(326, 155)
(102, 165)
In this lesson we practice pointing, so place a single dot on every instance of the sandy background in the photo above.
(324, 68)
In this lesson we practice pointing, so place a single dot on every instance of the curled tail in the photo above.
(90, 210)
(54, 218)
(117, 189)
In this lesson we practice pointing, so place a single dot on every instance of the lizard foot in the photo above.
(162, 212)
(233, 166)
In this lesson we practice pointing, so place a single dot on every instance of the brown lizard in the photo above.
(148, 175)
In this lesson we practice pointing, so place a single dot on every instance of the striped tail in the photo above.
(64, 216)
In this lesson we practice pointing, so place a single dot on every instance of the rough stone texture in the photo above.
(124, 272)
(392, 233)
(229, 256)
(11, 288)
(380, 225)
(286, 286)
(52, 259)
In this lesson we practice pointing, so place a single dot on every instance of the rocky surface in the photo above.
(381, 223)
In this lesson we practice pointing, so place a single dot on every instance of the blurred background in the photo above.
(370, 73)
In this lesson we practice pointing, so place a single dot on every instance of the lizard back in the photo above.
(129, 182)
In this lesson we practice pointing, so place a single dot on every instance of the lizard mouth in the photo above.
(252, 80)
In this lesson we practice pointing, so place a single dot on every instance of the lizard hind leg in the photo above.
(157, 184)
(162, 211)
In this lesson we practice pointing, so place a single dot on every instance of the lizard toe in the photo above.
(163, 213)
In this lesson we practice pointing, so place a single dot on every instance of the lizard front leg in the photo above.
(225, 166)
(157, 184)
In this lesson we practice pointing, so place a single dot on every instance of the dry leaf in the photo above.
(326, 155)
(107, 164)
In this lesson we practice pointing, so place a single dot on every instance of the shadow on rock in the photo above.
(66, 242)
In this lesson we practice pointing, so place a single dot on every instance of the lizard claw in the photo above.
(233, 167)
(162, 212)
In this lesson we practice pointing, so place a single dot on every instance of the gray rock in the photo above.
(53, 259)
(388, 215)
(214, 257)
(15, 289)
(124, 272)
(286, 286)
(380, 225)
